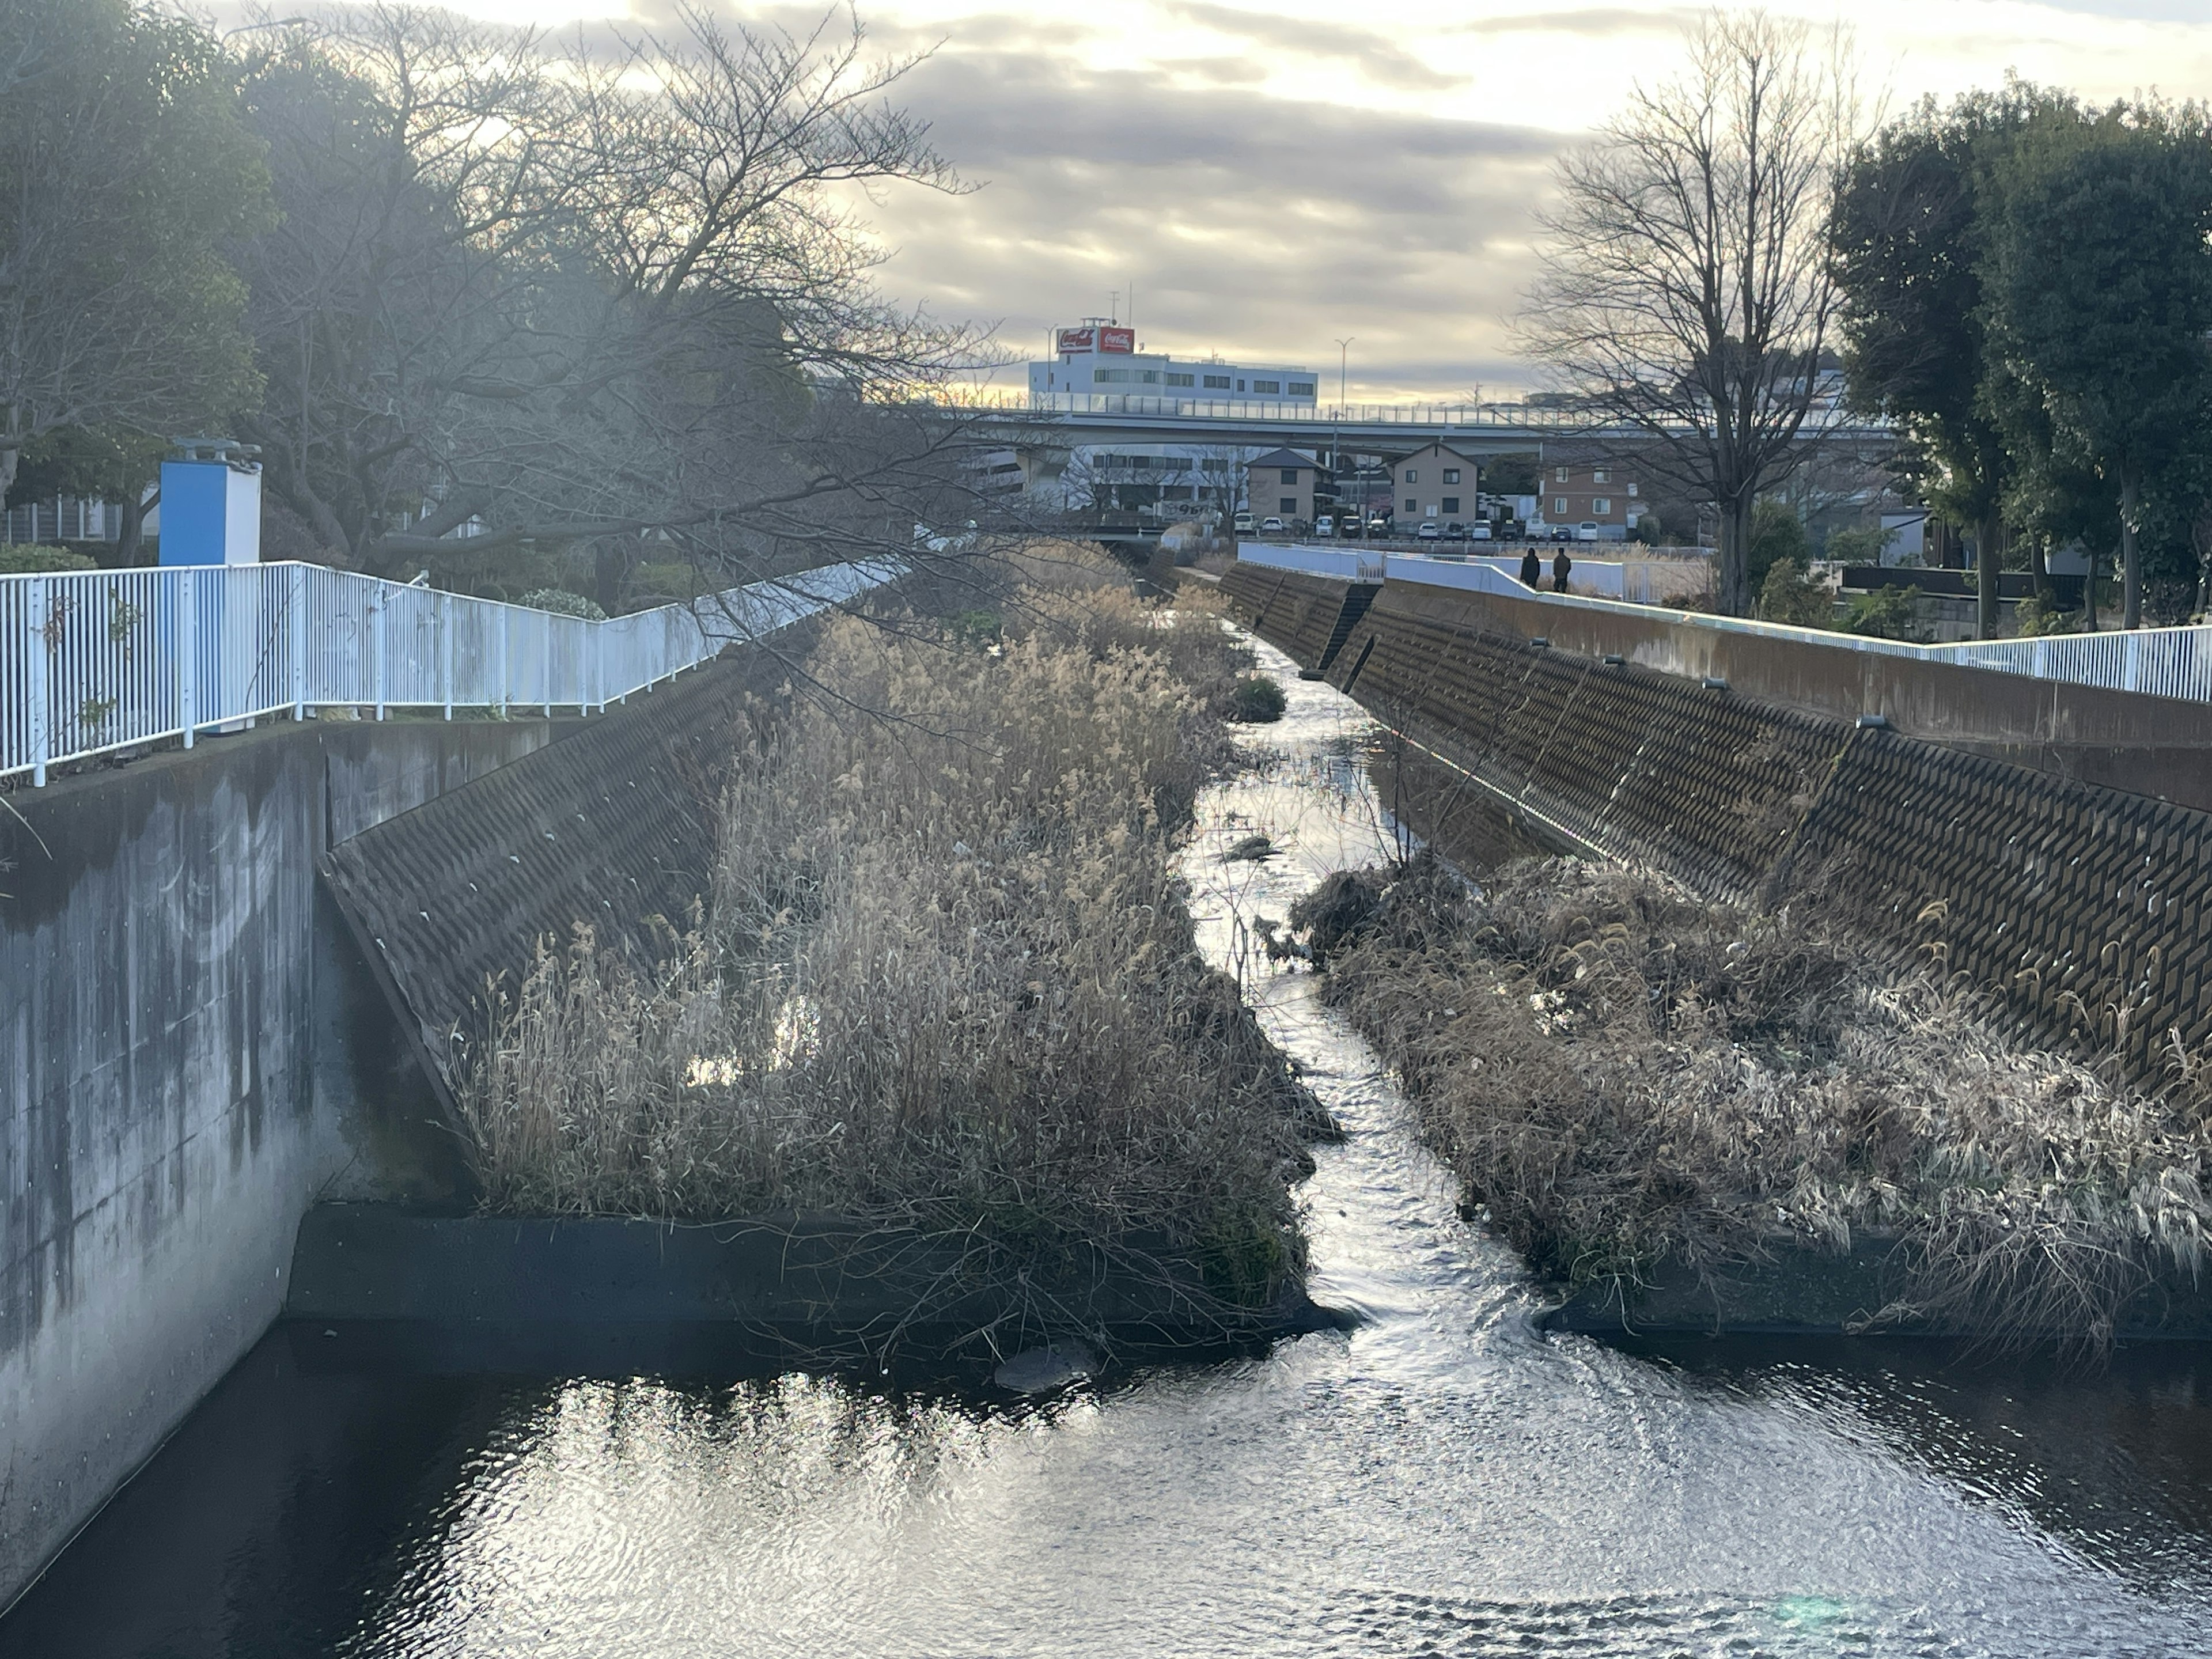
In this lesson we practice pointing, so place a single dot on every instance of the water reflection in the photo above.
(1445, 1479)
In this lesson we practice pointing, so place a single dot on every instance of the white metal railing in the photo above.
(2163, 662)
(96, 660)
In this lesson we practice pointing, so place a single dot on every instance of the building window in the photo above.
(1451, 506)
(1240, 385)
(1289, 475)
(1149, 376)
(1177, 380)
(1451, 475)
(1286, 504)
(1266, 386)
(1601, 506)
(1302, 388)
(1600, 476)
(1217, 383)
(1632, 492)
(1559, 505)
(1105, 375)
(1410, 508)
(1412, 476)
(1561, 476)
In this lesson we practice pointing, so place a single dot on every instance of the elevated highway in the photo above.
(1075, 421)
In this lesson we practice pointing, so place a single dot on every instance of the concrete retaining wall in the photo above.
(2083, 908)
(189, 1053)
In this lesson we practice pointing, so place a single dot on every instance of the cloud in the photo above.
(1598, 22)
(1251, 225)
(1380, 57)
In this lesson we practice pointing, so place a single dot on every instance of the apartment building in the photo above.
(1602, 493)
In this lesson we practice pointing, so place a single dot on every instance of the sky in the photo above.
(1272, 178)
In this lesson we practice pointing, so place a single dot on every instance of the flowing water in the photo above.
(1445, 1479)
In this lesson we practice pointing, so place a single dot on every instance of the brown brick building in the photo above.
(1602, 493)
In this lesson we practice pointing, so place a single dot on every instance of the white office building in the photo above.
(1100, 359)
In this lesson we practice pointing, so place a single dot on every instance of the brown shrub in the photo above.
(1623, 1073)
(945, 977)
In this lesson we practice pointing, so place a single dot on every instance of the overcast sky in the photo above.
(1272, 177)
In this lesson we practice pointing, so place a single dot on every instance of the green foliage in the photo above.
(102, 463)
(1777, 534)
(1258, 699)
(975, 631)
(2032, 618)
(1857, 544)
(1511, 475)
(1648, 532)
(26, 560)
(1911, 233)
(562, 603)
(2100, 293)
(664, 582)
(1891, 614)
(1789, 594)
(121, 145)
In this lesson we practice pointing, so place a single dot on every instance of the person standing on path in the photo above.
(1560, 566)
(1532, 569)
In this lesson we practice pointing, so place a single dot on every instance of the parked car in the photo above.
(1478, 532)
(1429, 531)
(1271, 525)
(1586, 530)
(1243, 523)
(1455, 530)
(1378, 526)
(1325, 524)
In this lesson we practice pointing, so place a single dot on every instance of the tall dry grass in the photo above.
(1623, 1073)
(945, 977)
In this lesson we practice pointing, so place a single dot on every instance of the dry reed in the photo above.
(945, 977)
(1623, 1073)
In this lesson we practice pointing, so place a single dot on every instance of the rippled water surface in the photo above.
(1443, 1479)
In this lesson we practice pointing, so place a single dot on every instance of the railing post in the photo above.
(35, 653)
(379, 605)
(505, 611)
(445, 635)
(299, 641)
(188, 679)
(545, 665)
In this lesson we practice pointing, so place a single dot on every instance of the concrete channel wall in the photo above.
(189, 1054)
(2084, 908)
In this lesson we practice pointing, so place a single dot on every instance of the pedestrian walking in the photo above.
(1532, 569)
(1560, 566)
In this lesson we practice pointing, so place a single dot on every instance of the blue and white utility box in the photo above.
(225, 663)
(211, 503)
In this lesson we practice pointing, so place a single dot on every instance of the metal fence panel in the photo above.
(97, 660)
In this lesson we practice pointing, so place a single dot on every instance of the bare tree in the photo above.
(123, 169)
(1685, 289)
(591, 298)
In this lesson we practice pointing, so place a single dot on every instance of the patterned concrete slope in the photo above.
(2084, 911)
(612, 826)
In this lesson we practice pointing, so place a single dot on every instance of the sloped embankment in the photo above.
(944, 985)
(1645, 1090)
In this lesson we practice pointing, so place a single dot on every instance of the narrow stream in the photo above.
(1444, 1480)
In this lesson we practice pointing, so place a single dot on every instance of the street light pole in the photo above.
(1336, 438)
